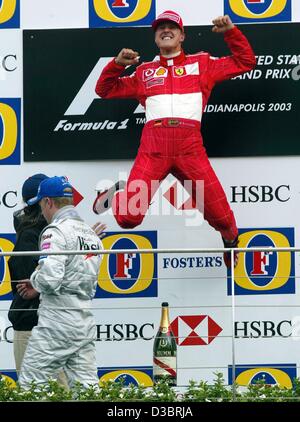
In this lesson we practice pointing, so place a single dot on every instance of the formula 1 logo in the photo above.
(9, 14)
(128, 274)
(195, 330)
(140, 375)
(103, 13)
(7, 243)
(265, 272)
(258, 10)
(278, 374)
(10, 109)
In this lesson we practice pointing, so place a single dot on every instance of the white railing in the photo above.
(175, 251)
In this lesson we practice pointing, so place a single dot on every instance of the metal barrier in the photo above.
(233, 305)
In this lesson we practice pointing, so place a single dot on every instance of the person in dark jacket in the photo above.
(28, 223)
(23, 315)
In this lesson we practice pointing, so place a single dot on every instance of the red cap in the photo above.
(168, 15)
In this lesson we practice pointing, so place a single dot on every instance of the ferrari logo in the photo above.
(179, 71)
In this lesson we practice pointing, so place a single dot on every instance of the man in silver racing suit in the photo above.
(66, 330)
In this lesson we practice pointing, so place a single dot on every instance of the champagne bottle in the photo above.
(165, 351)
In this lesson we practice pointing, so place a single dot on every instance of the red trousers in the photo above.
(174, 146)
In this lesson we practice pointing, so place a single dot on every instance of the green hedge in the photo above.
(112, 391)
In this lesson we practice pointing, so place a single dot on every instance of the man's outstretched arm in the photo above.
(110, 83)
(242, 59)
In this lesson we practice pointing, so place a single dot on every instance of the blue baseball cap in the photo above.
(53, 187)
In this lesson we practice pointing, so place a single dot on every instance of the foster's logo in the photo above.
(280, 374)
(135, 376)
(10, 130)
(265, 272)
(9, 14)
(6, 245)
(128, 274)
(10, 376)
(121, 12)
(258, 10)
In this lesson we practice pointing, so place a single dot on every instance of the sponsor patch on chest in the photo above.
(155, 82)
(46, 245)
(148, 74)
(46, 236)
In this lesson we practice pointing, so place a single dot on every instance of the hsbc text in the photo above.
(260, 193)
(255, 329)
(127, 332)
(9, 199)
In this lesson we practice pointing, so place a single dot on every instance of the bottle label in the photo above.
(164, 366)
(164, 343)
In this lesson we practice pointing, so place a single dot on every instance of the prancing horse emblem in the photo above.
(179, 71)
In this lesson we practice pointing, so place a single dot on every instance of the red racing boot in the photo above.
(227, 255)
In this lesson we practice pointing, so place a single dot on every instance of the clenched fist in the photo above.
(127, 57)
(222, 24)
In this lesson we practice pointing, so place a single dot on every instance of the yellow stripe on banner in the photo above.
(9, 380)
(282, 378)
(139, 376)
(104, 12)
(10, 131)
(239, 7)
(5, 285)
(7, 10)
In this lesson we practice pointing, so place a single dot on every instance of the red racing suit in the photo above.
(174, 93)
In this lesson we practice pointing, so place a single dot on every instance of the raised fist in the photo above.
(222, 24)
(127, 57)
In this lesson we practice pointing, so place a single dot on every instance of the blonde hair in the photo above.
(62, 201)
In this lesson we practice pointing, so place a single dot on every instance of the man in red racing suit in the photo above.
(174, 91)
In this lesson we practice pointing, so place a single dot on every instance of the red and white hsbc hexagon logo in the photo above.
(195, 330)
(77, 197)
